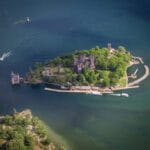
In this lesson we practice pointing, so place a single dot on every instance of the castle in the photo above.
(83, 61)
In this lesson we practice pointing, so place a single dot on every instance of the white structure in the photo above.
(15, 78)
(48, 72)
(110, 48)
(28, 19)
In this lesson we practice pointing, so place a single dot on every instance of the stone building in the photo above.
(59, 68)
(83, 61)
(47, 72)
(15, 78)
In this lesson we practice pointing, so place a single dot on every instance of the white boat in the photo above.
(125, 94)
(94, 93)
(5, 55)
(115, 94)
(28, 19)
(120, 94)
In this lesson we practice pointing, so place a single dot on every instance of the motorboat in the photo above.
(125, 94)
(120, 94)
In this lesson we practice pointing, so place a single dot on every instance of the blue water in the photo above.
(84, 122)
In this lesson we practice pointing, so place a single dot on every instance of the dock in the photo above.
(75, 91)
(146, 74)
(139, 59)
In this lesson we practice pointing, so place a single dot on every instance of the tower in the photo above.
(109, 46)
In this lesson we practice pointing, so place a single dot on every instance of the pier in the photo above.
(75, 91)
(139, 59)
(140, 79)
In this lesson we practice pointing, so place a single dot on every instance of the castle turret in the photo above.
(110, 48)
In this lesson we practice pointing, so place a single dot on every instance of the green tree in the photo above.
(121, 49)
(81, 78)
(47, 141)
(120, 72)
(28, 141)
(22, 122)
(106, 82)
(15, 144)
(37, 65)
(8, 120)
(57, 61)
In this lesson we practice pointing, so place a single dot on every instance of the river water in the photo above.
(84, 122)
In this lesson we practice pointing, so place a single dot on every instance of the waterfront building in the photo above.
(15, 78)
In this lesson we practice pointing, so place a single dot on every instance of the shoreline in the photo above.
(90, 91)
(96, 89)
(130, 85)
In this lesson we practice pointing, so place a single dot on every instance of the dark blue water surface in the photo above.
(84, 122)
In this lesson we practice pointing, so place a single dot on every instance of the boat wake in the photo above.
(5, 55)
(23, 21)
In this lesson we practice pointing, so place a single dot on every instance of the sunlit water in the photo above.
(84, 122)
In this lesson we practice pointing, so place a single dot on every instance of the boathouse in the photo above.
(15, 78)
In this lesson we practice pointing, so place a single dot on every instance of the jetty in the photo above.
(76, 91)
(125, 88)
(140, 79)
(138, 59)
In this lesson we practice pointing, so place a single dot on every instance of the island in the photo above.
(100, 70)
(23, 131)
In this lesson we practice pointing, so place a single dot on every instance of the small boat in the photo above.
(121, 94)
(125, 94)
(115, 94)
(94, 93)
(28, 19)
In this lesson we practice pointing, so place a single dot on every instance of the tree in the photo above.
(67, 62)
(113, 63)
(104, 75)
(28, 141)
(12, 134)
(57, 61)
(120, 72)
(106, 82)
(47, 141)
(37, 65)
(8, 120)
(15, 144)
(92, 77)
(81, 78)
(22, 122)
(121, 49)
